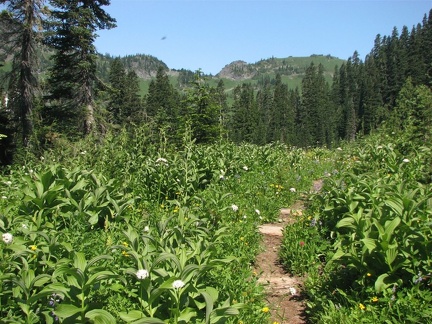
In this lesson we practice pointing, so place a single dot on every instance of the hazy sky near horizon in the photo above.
(208, 34)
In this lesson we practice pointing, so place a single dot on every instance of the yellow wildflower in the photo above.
(33, 247)
(124, 253)
(362, 307)
(241, 238)
(265, 309)
(375, 299)
(125, 244)
(368, 274)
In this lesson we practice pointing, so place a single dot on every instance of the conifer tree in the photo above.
(117, 79)
(132, 110)
(263, 124)
(72, 78)
(20, 34)
(283, 113)
(162, 103)
(202, 111)
(221, 100)
(245, 114)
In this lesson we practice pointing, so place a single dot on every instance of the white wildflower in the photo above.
(292, 291)
(234, 207)
(142, 274)
(4, 197)
(162, 161)
(257, 211)
(83, 152)
(178, 284)
(339, 149)
(405, 160)
(293, 189)
(146, 229)
(7, 238)
(244, 216)
(245, 168)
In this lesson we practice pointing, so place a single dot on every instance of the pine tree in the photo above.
(132, 110)
(202, 111)
(245, 114)
(283, 113)
(315, 124)
(117, 79)
(162, 103)
(221, 100)
(263, 127)
(73, 27)
(20, 34)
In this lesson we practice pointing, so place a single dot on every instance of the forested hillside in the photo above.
(58, 88)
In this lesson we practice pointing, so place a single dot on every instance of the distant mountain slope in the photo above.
(290, 66)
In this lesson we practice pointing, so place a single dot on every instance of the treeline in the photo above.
(76, 97)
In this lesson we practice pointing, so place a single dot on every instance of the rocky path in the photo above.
(282, 289)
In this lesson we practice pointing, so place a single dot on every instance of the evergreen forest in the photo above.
(68, 91)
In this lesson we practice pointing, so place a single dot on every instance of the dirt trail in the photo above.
(283, 290)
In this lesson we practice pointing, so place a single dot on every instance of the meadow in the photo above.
(129, 230)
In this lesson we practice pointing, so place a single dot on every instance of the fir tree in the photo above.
(20, 34)
(117, 79)
(73, 27)
(202, 111)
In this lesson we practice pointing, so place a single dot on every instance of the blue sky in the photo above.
(208, 34)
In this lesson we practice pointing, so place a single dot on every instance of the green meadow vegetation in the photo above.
(138, 233)
(133, 232)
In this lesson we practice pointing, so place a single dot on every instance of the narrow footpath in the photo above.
(282, 289)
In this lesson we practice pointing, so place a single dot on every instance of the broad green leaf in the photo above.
(390, 227)
(149, 320)
(346, 222)
(41, 280)
(395, 204)
(223, 312)
(187, 314)
(369, 243)
(101, 275)
(379, 227)
(67, 310)
(80, 261)
(379, 283)
(131, 316)
(94, 218)
(339, 254)
(209, 305)
(39, 189)
(391, 255)
(168, 283)
(25, 308)
(189, 271)
(164, 256)
(99, 258)
(79, 185)
(100, 316)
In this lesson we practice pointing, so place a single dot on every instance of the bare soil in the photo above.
(285, 307)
